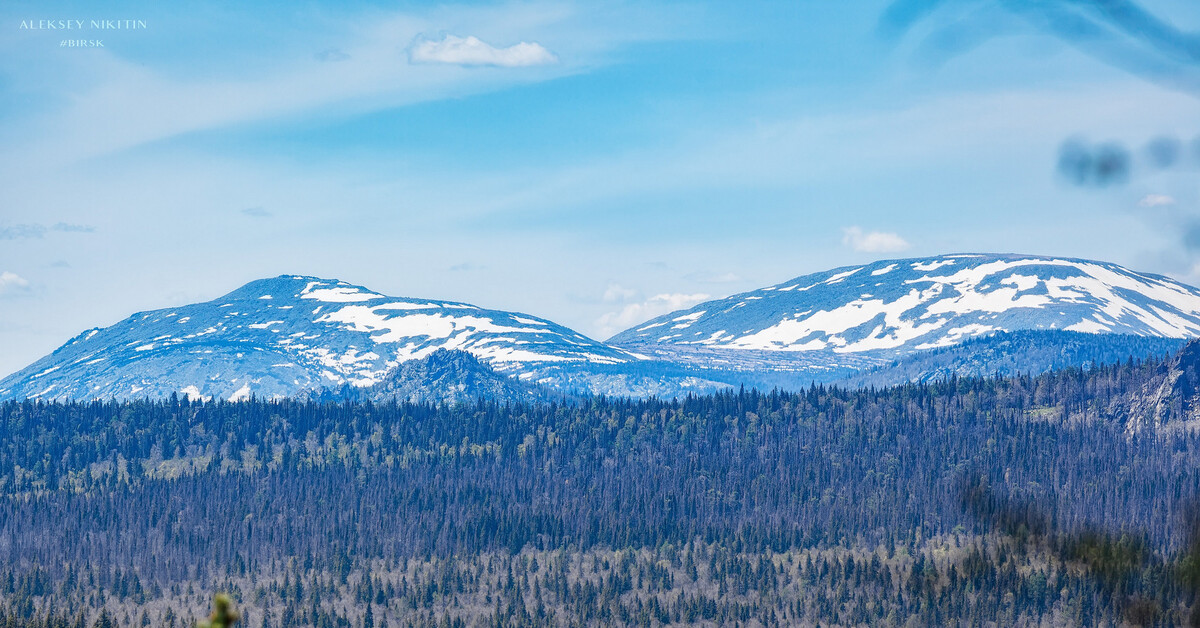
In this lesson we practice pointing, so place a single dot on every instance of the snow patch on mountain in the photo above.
(281, 336)
(919, 304)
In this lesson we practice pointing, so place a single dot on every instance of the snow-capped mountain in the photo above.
(890, 321)
(290, 334)
(897, 307)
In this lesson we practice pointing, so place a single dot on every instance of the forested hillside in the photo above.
(1015, 353)
(755, 508)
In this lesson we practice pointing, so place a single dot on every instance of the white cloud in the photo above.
(114, 103)
(12, 283)
(873, 241)
(472, 51)
(635, 313)
(618, 294)
(1156, 200)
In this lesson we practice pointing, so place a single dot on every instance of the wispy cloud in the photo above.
(820, 149)
(873, 241)
(1130, 35)
(34, 230)
(20, 232)
(1156, 200)
(332, 55)
(257, 212)
(12, 283)
(634, 313)
(67, 227)
(121, 103)
(473, 51)
(615, 293)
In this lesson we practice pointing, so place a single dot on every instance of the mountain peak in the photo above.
(295, 334)
(283, 335)
(907, 305)
(301, 286)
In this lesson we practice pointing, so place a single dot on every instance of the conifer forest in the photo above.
(1048, 500)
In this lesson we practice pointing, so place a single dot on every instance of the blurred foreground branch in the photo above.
(1146, 589)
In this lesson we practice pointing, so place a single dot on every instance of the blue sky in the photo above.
(593, 163)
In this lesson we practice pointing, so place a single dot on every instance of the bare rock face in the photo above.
(1183, 402)
(1170, 399)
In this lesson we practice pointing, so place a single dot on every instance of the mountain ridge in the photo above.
(897, 306)
(298, 335)
(291, 333)
(446, 376)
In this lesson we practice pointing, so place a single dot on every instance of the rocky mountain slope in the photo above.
(442, 377)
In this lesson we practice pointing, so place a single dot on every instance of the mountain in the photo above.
(444, 376)
(882, 323)
(1015, 353)
(874, 314)
(282, 336)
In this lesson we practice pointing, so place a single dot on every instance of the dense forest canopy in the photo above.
(746, 506)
